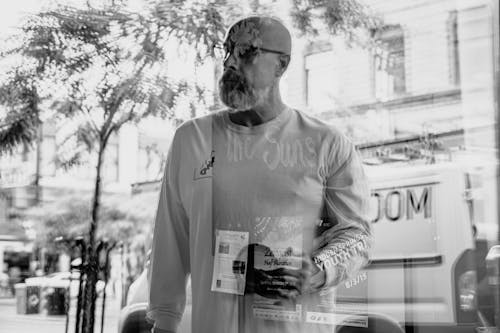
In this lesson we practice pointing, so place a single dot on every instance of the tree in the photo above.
(105, 66)
(22, 120)
(185, 21)
(124, 220)
(347, 18)
(101, 68)
(121, 218)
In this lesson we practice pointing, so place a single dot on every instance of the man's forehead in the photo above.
(263, 32)
(245, 32)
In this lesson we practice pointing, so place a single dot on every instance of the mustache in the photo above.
(232, 76)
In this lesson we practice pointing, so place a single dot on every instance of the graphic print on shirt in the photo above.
(205, 170)
(290, 153)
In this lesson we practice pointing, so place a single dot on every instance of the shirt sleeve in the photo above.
(169, 267)
(345, 235)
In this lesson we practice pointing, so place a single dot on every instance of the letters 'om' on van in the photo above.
(398, 204)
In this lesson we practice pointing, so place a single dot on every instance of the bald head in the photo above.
(262, 32)
(257, 53)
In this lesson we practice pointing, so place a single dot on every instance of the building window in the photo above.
(3, 209)
(25, 152)
(321, 81)
(150, 163)
(48, 156)
(111, 155)
(453, 49)
(389, 62)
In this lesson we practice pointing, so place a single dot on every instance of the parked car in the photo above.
(62, 280)
(133, 315)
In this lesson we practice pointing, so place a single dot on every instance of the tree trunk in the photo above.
(39, 139)
(39, 152)
(92, 269)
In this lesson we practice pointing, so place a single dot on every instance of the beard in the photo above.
(235, 92)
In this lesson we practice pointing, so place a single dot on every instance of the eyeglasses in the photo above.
(244, 52)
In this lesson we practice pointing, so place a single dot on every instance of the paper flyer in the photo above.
(281, 237)
(229, 265)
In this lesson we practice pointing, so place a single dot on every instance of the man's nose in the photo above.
(230, 62)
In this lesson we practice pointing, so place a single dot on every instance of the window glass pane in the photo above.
(321, 81)
(48, 155)
(110, 166)
(389, 63)
(417, 96)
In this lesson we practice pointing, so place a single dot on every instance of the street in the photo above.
(11, 322)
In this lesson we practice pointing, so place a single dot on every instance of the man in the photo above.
(264, 206)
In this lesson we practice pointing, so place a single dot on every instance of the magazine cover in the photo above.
(278, 245)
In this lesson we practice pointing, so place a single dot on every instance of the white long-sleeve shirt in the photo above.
(292, 176)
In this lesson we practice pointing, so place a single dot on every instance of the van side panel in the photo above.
(421, 228)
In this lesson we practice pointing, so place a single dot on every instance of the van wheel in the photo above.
(376, 324)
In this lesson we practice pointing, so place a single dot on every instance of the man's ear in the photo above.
(282, 65)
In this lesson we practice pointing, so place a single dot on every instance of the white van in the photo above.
(422, 272)
(422, 276)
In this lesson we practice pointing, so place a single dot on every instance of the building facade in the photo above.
(427, 77)
(430, 71)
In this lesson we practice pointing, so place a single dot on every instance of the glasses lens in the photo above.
(245, 52)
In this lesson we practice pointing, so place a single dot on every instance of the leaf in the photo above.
(86, 135)
(339, 17)
(68, 162)
(16, 132)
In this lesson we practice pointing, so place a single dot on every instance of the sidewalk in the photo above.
(11, 322)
